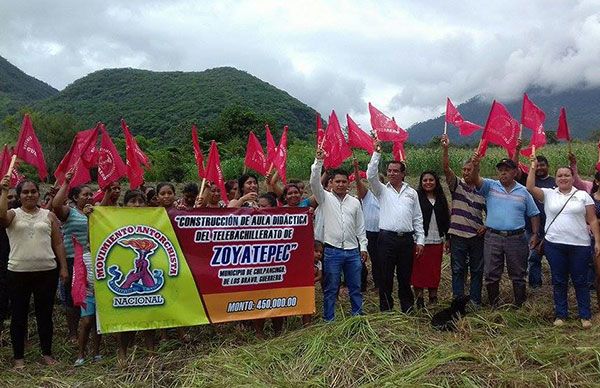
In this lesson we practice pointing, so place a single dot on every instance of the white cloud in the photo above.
(405, 57)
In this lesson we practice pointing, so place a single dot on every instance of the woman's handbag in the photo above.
(539, 247)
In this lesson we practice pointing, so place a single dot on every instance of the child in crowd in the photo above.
(87, 324)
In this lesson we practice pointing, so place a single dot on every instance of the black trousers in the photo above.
(372, 238)
(395, 255)
(42, 285)
(4, 251)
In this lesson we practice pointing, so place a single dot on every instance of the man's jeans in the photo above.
(466, 255)
(335, 261)
(534, 265)
(564, 260)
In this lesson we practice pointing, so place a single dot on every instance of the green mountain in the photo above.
(163, 104)
(583, 115)
(18, 89)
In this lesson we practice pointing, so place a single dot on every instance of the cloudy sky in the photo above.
(404, 56)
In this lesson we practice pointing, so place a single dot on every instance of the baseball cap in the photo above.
(506, 162)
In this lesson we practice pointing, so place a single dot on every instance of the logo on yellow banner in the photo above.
(140, 286)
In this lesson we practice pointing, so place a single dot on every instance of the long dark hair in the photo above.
(243, 180)
(438, 191)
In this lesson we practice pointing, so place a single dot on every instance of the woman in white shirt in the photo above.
(567, 241)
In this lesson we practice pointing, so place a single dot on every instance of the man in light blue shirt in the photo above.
(508, 203)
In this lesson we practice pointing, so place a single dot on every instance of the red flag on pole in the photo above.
(5, 158)
(482, 148)
(29, 150)
(501, 128)
(563, 127)
(533, 117)
(453, 116)
(198, 153)
(255, 156)
(320, 131)
(386, 128)
(398, 151)
(79, 282)
(137, 151)
(271, 147)
(358, 138)
(280, 159)
(334, 144)
(213, 170)
(83, 144)
(110, 165)
(133, 157)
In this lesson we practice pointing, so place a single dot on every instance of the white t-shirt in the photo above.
(570, 226)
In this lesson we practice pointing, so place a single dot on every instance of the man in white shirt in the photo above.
(343, 237)
(400, 224)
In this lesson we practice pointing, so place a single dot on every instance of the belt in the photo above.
(399, 234)
(506, 233)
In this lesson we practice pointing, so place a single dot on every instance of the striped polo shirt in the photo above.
(466, 216)
(76, 224)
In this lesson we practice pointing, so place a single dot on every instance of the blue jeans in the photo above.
(534, 265)
(466, 255)
(564, 260)
(335, 262)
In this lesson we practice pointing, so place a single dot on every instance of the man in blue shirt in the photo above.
(508, 203)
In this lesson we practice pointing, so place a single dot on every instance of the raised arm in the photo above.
(58, 202)
(536, 192)
(515, 158)
(6, 216)
(360, 186)
(373, 170)
(315, 177)
(450, 176)
(579, 183)
(273, 181)
(475, 177)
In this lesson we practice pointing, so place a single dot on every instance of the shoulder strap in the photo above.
(560, 211)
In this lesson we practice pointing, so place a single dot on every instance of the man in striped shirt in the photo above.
(466, 228)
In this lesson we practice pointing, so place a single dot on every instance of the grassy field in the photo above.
(505, 347)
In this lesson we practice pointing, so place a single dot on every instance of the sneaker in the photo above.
(558, 322)
(79, 362)
(586, 323)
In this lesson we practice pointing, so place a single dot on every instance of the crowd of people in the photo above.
(513, 221)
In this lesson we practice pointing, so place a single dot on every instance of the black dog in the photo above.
(446, 319)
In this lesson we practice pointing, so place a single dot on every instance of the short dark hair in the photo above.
(75, 191)
(339, 171)
(130, 194)
(402, 164)
(269, 197)
(230, 184)
(191, 188)
(542, 158)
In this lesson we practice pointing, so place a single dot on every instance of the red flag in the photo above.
(320, 131)
(453, 116)
(280, 159)
(82, 146)
(501, 128)
(79, 282)
(358, 138)
(110, 165)
(213, 170)
(524, 167)
(135, 172)
(198, 153)
(482, 149)
(398, 151)
(533, 117)
(386, 128)
(141, 157)
(29, 150)
(5, 157)
(362, 174)
(563, 128)
(271, 147)
(255, 156)
(334, 144)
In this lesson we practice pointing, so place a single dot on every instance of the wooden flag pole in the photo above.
(479, 146)
(520, 130)
(202, 185)
(445, 128)
(570, 150)
(533, 151)
(11, 166)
